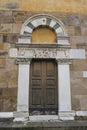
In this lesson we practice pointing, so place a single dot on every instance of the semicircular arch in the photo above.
(44, 20)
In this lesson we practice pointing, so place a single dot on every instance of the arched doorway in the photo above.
(27, 52)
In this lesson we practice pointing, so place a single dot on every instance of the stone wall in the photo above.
(10, 25)
(62, 6)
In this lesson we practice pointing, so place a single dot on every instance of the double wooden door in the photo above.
(43, 89)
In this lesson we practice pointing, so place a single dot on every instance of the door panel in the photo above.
(43, 87)
(36, 96)
(37, 69)
(50, 98)
(50, 69)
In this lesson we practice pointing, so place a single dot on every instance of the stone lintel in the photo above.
(56, 53)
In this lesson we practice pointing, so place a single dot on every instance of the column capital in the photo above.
(63, 61)
(23, 61)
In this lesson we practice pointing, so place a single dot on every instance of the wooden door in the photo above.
(43, 91)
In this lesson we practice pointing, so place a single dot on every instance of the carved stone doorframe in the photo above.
(63, 56)
(64, 101)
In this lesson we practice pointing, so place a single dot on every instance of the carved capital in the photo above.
(23, 61)
(63, 61)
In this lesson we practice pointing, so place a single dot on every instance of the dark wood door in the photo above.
(43, 91)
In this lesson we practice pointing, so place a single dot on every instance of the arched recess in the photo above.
(43, 35)
(43, 20)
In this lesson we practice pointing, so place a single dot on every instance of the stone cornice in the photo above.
(26, 45)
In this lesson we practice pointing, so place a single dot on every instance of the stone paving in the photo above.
(50, 125)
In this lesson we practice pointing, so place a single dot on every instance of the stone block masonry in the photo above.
(10, 25)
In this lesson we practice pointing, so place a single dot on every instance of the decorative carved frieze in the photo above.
(43, 53)
(53, 53)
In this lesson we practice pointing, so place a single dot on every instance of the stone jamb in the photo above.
(64, 92)
(23, 88)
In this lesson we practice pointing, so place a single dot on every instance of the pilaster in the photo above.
(23, 89)
(64, 93)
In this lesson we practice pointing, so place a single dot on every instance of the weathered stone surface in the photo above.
(2, 62)
(2, 76)
(49, 125)
(8, 78)
(40, 52)
(84, 30)
(78, 39)
(79, 90)
(7, 46)
(9, 104)
(5, 13)
(83, 102)
(16, 28)
(79, 65)
(84, 22)
(10, 65)
(79, 102)
(13, 80)
(9, 92)
(0, 93)
(3, 53)
(1, 38)
(2, 79)
(75, 104)
(11, 73)
(67, 6)
(78, 31)
(1, 46)
(76, 74)
(9, 99)
(70, 30)
(1, 105)
(6, 28)
(12, 5)
(3, 84)
(6, 19)
(21, 16)
(10, 38)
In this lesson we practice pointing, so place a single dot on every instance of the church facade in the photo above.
(43, 64)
